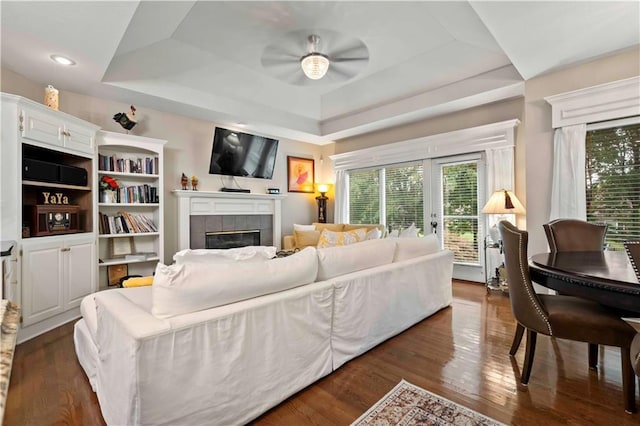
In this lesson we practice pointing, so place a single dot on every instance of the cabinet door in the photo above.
(42, 127)
(42, 280)
(79, 272)
(79, 139)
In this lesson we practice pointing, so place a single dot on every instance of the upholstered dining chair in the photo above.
(563, 317)
(570, 235)
(635, 354)
(633, 251)
(575, 235)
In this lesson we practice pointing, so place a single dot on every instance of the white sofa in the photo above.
(228, 364)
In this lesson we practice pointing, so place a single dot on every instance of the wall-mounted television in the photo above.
(242, 154)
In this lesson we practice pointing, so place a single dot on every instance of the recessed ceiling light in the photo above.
(62, 60)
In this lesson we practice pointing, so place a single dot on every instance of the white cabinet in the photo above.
(55, 259)
(131, 225)
(57, 274)
(54, 128)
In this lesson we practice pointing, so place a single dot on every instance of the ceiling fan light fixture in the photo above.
(314, 65)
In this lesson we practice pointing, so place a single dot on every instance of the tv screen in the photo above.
(241, 154)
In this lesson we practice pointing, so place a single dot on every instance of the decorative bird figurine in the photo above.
(184, 180)
(126, 120)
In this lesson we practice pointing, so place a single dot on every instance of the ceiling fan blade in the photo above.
(343, 70)
(277, 53)
(336, 60)
(358, 51)
(272, 62)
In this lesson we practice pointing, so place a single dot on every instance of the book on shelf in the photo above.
(137, 194)
(125, 223)
(140, 256)
(111, 163)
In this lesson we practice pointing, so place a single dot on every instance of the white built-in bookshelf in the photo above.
(130, 219)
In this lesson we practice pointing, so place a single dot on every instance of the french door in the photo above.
(457, 190)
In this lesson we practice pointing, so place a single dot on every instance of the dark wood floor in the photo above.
(461, 353)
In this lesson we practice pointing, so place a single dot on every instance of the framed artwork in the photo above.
(117, 272)
(122, 246)
(300, 174)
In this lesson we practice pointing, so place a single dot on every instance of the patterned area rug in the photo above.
(408, 404)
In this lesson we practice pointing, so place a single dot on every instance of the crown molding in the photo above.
(474, 139)
(607, 101)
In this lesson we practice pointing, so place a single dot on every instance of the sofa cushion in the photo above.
(373, 234)
(334, 261)
(367, 226)
(335, 227)
(189, 287)
(408, 248)
(332, 239)
(304, 239)
(298, 227)
(410, 232)
(246, 254)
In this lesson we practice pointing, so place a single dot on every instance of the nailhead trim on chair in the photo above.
(531, 297)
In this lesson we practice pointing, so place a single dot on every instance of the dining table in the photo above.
(606, 277)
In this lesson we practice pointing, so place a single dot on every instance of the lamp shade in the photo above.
(503, 202)
(323, 187)
(314, 65)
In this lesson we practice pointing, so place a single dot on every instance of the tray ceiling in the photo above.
(203, 58)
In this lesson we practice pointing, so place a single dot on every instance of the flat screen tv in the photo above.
(241, 154)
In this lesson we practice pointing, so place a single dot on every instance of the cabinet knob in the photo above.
(65, 249)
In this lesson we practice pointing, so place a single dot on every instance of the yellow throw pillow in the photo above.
(138, 282)
(304, 239)
(335, 227)
(368, 227)
(332, 239)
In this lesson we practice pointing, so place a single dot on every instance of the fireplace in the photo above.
(202, 212)
(232, 239)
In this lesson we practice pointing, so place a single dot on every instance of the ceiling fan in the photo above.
(301, 58)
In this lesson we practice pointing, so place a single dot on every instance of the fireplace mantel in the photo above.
(191, 203)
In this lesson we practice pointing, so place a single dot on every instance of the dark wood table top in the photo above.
(606, 277)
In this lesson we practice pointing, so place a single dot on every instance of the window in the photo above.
(613, 179)
(364, 196)
(391, 195)
(460, 210)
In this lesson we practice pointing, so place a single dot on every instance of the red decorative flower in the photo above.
(107, 182)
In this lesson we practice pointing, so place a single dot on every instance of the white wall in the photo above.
(188, 151)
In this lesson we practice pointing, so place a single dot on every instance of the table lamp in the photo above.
(322, 202)
(502, 202)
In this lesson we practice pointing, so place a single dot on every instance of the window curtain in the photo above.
(500, 175)
(341, 213)
(568, 193)
(500, 170)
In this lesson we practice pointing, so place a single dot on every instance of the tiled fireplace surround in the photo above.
(200, 225)
(200, 212)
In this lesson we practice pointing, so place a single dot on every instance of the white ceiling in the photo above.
(204, 58)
